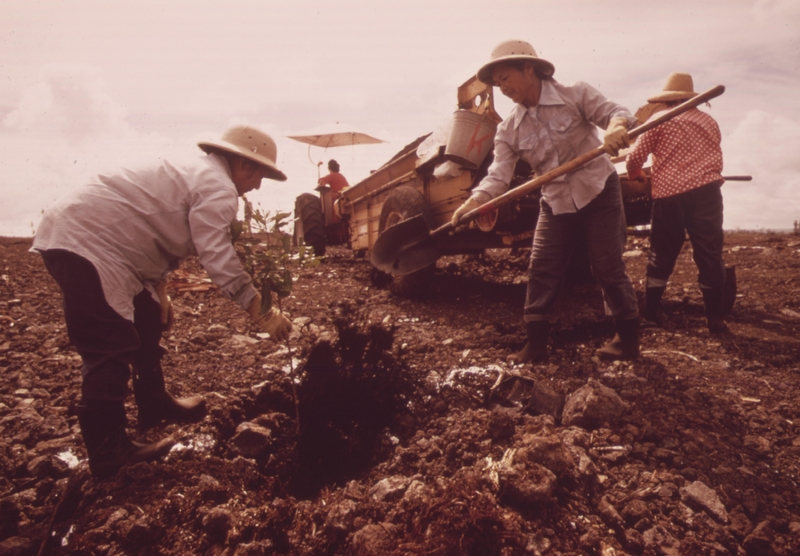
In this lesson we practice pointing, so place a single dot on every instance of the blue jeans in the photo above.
(601, 224)
(107, 342)
(698, 212)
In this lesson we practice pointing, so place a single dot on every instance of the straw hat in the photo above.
(251, 143)
(514, 50)
(679, 86)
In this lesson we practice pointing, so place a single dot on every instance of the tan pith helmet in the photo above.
(251, 143)
(679, 86)
(514, 50)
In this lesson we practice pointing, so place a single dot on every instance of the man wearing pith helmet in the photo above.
(110, 244)
(550, 125)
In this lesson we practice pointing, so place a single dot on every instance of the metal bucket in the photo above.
(471, 138)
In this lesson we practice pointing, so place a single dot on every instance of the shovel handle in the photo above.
(577, 162)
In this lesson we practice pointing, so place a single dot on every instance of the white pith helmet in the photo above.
(251, 143)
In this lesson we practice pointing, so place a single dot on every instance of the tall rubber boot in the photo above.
(108, 445)
(625, 344)
(652, 304)
(729, 293)
(535, 350)
(155, 404)
(714, 302)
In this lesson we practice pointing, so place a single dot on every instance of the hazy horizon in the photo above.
(87, 86)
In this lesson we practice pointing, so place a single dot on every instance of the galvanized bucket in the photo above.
(471, 138)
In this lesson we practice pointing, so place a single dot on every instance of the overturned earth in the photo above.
(415, 436)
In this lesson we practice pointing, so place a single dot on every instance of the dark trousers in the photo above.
(699, 213)
(108, 343)
(601, 224)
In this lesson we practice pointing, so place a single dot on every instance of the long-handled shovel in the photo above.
(410, 245)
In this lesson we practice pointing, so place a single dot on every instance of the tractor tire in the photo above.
(403, 203)
(310, 224)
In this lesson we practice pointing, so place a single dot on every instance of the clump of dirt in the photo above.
(416, 436)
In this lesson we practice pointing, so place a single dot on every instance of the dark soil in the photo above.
(417, 437)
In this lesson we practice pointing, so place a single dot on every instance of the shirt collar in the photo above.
(547, 96)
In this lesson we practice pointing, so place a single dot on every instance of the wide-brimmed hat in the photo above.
(514, 50)
(250, 143)
(679, 86)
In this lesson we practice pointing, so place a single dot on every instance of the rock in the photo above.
(341, 515)
(636, 510)
(609, 514)
(47, 466)
(758, 444)
(17, 546)
(700, 495)
(759, 542)
(251, 440)
(389, 489)
(217, 522)
(10, 511)
(256, 548)
(592, 405)
(549, 451)
(740, 525)
(373, 540)
(210, 489)
(661, 541)
(240, 340)
(528, 484)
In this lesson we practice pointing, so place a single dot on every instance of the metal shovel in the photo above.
(410, 245)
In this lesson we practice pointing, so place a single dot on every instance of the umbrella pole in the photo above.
(312, 161)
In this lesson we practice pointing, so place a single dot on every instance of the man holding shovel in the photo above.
(686, 182)
(109, 246)
(550, 125)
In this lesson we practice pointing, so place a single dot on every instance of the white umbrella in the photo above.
(333, 135)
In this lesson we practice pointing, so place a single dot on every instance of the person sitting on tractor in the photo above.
(549, 125)
(109, 246)
(336, 181)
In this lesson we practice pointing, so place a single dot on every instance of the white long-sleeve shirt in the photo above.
(558, 129)
(137, 224)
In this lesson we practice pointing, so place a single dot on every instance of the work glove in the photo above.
(272, 322)
(167, 313)
(616, 136)
(469, 205)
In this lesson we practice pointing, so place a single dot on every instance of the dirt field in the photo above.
(417, 437)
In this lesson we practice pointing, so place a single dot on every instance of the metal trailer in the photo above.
(406, 186)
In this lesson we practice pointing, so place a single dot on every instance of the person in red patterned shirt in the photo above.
(687, 198)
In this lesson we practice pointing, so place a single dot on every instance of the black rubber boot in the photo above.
(108, 445)
(625, 344)
(652, 304)
(714, 302)
(730, 291)
(535, 350)
(156, 404)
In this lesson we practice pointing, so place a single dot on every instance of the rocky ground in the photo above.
(416, 436)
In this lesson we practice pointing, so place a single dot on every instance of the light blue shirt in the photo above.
(558, 129)
(137, 224)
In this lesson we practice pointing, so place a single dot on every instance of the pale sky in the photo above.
(86, 86)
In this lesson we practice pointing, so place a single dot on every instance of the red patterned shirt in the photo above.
(686, 153)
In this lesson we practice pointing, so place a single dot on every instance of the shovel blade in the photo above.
(404, 248)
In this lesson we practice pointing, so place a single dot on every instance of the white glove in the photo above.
(272, 322)
(469, 205)
(616, 136)
(167, 313)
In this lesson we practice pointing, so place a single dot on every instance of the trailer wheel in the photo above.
(403, 203)
(310, 225)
